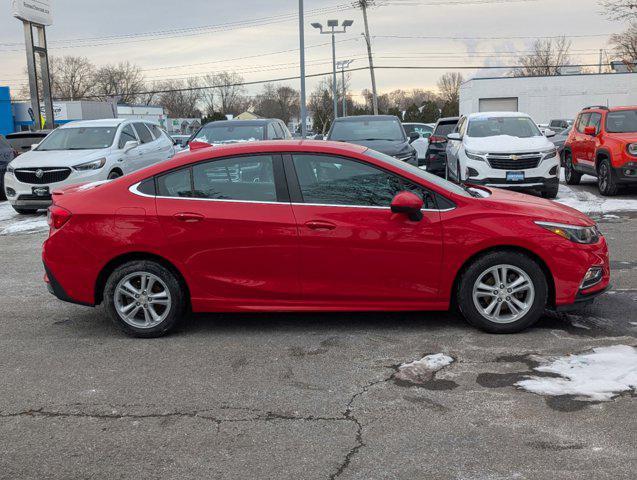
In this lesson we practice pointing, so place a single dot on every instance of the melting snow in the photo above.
(6, 211)
(31, 225)
(596, 376)
(593, 203)
(433, 363)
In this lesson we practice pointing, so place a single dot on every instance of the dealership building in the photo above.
(548, 97)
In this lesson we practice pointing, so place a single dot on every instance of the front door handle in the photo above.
(320, 225)
(188, 217)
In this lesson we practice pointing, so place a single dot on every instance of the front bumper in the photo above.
(23, 195)
(538, 183)
(544, 175)
(627, 173)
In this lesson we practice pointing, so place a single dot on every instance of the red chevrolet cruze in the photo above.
(314, 226)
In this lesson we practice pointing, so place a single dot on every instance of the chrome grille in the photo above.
(518, 161)
(42, 176)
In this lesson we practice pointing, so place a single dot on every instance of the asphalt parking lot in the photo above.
(312, 396)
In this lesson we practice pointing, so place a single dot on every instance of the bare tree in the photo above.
(180, 98)
(229, 94)
(625, 43)
(277, 102)
(620, 9)
(71, 77)
(124, 80)
(547, 57)
(449, 87)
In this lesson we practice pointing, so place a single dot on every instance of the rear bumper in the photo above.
(56, 289)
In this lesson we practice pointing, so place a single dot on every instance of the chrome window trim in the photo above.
(134, 190)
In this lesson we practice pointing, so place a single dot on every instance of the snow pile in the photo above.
(593, 203)
(32, 225)
(596, 376)
(432, 363)
(6, 211)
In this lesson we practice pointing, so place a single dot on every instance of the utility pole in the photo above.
(600, 60)
(364, 4)
(333, 24)
(302, 61)
(343, 64)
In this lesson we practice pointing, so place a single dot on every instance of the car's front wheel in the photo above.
(605, 179)
(570, 175)
(502, 292)
(144, 299)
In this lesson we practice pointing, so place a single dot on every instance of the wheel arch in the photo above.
(120, 260)
(550, 281)
(600, 154)
(118, 170)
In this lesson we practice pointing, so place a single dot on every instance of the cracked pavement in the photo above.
(311, 396)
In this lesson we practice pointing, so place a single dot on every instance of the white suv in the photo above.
(504, 150)
(79, 152)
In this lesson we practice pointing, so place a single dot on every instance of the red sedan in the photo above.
(314, 226)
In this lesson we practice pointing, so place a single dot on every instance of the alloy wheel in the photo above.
(503, 294)
(142, 300)
(603, 177)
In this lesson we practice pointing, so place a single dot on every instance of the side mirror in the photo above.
(128, 146)
(409, 204)
(34, 146)
(548, 133)
(590, 130)
(454, 136)
(413, 136)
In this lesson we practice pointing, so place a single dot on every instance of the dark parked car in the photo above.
(383, 133)
(559, 125)
(7, 153)
(559, 140)
(436, 158)
(22, 141)
(238, 131)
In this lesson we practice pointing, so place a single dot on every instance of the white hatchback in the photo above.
(79, 152)
(504, 150)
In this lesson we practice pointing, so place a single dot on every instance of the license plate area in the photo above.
(41, 191)
(515, 176)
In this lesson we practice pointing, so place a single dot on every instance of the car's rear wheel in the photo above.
(502, 292)
(570, 175)
(605, 179)
(144, 299)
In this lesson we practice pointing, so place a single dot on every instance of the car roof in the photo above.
(255, 122)
(366, 118)
(448, 119)
(609, 109)
(471, 116)
(105, 122)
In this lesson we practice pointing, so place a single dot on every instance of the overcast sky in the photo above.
(173, 39)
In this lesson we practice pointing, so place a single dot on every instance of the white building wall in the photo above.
(555, 97)
(142, 112)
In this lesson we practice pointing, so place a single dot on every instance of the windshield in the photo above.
(436, 180)
(230, 133)
(81, 138)
(351, 131)
(521, 127)
(624, 121)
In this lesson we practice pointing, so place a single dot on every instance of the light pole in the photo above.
(332, 25)
(343, 64)
(303, 109)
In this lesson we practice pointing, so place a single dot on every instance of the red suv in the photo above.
(603, 143)
(314, 226)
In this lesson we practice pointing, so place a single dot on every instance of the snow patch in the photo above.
(6, 211)
(432, 363)
(596, 376)
(590, 203)
(32, 225)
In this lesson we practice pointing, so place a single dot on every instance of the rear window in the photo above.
(624, 121)
(444, 129)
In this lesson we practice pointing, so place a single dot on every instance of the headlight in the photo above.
(10, 168)
(632, 148)
(479, 156)
(549, 153)
(574, 233)
(92, 165)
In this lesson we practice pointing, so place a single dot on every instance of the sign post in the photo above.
(36, 15)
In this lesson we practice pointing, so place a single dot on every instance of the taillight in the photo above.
(58, 216)
(436, 139)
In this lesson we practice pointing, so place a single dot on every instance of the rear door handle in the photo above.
(188, 217)
(320, 225)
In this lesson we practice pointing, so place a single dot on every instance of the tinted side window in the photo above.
(143, 132)
(127, 135)
(175, 184)
(240, 178)
(272, 135)
(328, 180)
(595, 121)
(582, 121)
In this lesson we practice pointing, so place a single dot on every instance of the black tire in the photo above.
(550, 191)
(571, 176)
(176, 309)
(113, 175)
(470, 276)
(25, 211)
(606, 179)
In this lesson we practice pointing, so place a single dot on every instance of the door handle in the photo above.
(320, 225)
(188, 217)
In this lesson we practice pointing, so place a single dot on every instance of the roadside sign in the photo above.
(36, 11)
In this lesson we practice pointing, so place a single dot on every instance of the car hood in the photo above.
(57, 158)
(538, 208)
(507, 144)
(388, 147)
